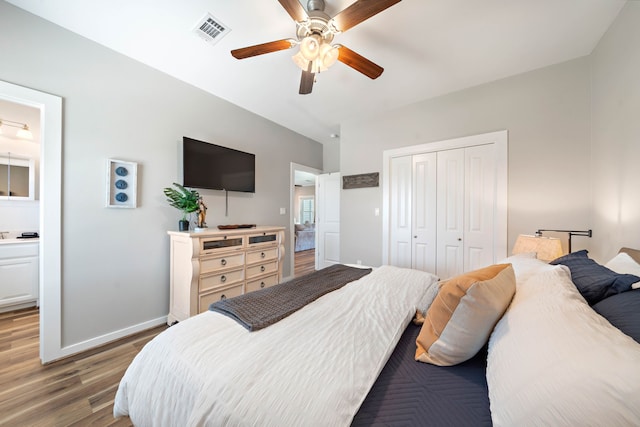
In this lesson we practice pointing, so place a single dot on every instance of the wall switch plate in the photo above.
(283, 211)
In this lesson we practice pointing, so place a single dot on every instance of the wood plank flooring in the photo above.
(76, 391)
(305, 262)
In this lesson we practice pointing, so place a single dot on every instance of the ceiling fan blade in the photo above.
(359, 62)
(306, 82)
(294, 9)
(261, 49)
(360, 11)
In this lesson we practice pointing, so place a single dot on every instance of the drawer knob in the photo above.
(223, 279)
(262, 268)
(262, 285)
(223, 261)
(223, 297)
(263, 255)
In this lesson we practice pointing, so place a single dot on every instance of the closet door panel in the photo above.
(400, 238)
(480, 181)
(424, 212)
(450, 212)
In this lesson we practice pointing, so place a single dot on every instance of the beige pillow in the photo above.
(463, 314)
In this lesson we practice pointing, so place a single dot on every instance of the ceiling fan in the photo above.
(315, 31)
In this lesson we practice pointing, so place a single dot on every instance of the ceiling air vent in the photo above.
(211, 29)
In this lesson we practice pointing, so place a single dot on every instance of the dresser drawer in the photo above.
(262, 268)
(211, 245)
(209, 264)
(207, 299)
(259, 240)
(221, 279)
(264, 255)
(261, 283)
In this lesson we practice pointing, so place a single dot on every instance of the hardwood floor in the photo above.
(305, 262)
(76, 391)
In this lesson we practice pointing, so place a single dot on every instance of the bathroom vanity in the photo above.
(18, 273)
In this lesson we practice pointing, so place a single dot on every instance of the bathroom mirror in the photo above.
(17, 177)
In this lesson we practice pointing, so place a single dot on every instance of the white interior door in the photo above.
(480, 206)
(327, 220)
(423, 220)
(400, 238)
(450, 213)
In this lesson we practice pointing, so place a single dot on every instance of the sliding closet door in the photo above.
(450, 213)
(424, 212)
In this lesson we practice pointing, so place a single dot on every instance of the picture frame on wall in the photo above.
(122, 184)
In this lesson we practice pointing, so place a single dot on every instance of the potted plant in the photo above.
(182, 199)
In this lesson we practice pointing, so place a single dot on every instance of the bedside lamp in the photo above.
(546, 248)
(585, 233)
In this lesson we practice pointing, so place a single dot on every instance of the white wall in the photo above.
(615, 110)
(546, 113)
(115, 261)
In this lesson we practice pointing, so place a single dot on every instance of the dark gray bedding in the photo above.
(410, 393)
(259, 309)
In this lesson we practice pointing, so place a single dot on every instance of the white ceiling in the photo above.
(427, 48)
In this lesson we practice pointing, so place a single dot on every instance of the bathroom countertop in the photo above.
(17, 241)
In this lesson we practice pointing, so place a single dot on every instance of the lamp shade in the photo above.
(310, 47)
(545, 248)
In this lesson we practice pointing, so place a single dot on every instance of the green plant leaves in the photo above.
(182, 198)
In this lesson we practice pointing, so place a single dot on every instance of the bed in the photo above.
(551, 357)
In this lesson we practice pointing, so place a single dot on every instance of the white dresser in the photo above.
(212, 265)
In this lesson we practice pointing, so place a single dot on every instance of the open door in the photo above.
(327, 220)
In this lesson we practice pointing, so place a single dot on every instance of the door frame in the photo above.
(499, 138)
(50, 242)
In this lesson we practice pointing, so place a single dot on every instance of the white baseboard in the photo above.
(107, 338)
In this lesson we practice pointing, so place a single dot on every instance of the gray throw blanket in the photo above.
(259, 309)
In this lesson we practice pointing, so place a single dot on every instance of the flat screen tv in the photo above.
(214, 167)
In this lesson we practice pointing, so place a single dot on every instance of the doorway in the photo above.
(50, 108)
(303, 206)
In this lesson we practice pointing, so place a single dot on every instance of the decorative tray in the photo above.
(234, 226)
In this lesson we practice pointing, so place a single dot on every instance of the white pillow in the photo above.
(553, 361)
(525, 265)
(624, 264)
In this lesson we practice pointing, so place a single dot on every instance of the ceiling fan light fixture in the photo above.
(328, 55)
(301, 61)
(310, 46)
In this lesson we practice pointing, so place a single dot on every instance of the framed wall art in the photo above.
(363, 180)
(122, 180)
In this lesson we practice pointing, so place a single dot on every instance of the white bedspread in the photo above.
(313, 368)
(554, 362)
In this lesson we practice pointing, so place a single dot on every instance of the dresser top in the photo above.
(214, 231)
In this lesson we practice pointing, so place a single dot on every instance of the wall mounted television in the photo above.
(213, 167)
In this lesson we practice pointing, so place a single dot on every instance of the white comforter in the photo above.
(553, 361)
(312, 368)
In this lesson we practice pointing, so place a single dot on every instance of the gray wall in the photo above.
(115, 261)
(615, 110)
(547, 115)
